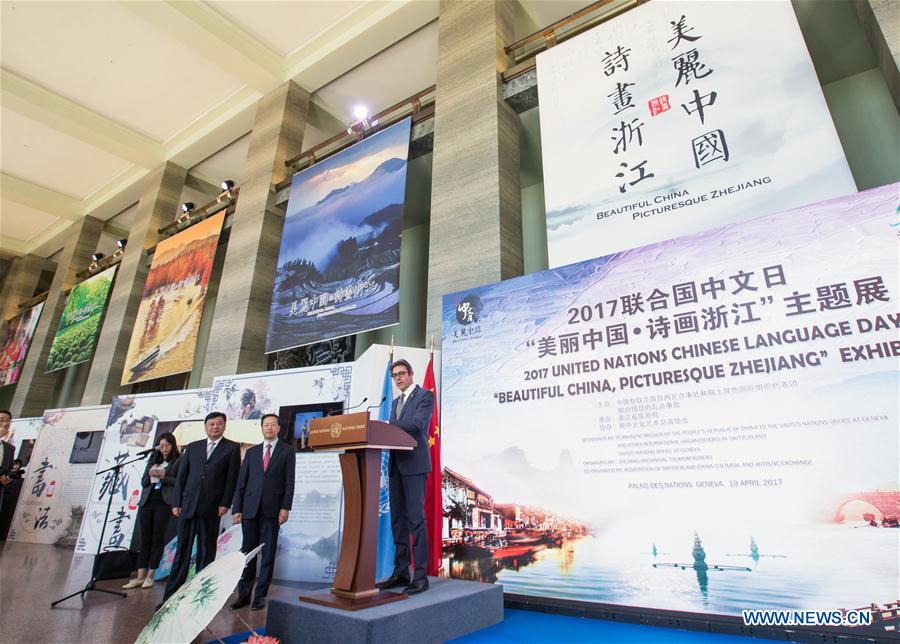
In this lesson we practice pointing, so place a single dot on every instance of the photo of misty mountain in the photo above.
(338, 269)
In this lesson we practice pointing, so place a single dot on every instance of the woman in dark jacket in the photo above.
(158, 485)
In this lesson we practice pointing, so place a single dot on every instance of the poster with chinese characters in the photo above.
(338, 270)
(55, 489)
(705, 424)
(676, 117)
(134, 424)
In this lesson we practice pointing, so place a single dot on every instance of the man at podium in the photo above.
(411, 412)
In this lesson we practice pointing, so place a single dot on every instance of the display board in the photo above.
(338, 269)
(165, 331)
(308, 541)
(21, 430)
(704, 424)
(133, 425)
(55, 491)
(80, 322)
(676, 117)
(16, 338)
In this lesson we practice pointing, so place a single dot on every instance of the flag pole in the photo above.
(392, 348)
(432, 346)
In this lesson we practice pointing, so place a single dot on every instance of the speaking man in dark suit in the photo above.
(262, 502)
(207, 475)
(411, 412)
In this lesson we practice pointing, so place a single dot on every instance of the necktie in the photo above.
(401, 403)
(210, 446)
(267, 456)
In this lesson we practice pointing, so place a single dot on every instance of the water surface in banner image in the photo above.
(619, 568)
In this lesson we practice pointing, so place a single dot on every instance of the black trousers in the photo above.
(408, 520)
(153, 521)
(260, 529)
(206, 531)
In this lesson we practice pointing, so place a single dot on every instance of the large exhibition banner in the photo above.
(165, 331)
(80, 321)
(677, 117)
(58, 481)
(134, 424)
(338, 269)
(16, 338)
(703, 424)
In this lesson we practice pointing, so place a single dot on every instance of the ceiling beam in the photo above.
(40, 198)
(216, 38)
(367, 30)
(65, 115)
(10, 247)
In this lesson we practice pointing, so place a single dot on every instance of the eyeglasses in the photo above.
(398, 374)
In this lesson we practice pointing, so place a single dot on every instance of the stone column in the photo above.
(881, 21)
(476, 221)
(20, 283)
(158, 205)
(237, 337)
(33, 391)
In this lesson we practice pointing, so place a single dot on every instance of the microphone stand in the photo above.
(92, 584)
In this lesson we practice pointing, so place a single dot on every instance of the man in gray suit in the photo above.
(411, 412)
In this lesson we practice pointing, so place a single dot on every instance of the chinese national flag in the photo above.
(434, 504)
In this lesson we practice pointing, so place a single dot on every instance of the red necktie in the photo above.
(266, 456)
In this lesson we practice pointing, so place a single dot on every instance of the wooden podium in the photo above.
(361, 441)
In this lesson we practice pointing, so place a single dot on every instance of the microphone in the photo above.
(383, 398)
(346, 409)
(155, 448)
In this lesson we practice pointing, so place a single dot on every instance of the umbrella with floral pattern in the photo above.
(195, 604)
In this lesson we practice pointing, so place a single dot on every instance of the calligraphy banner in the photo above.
(165, 331)
(705, 424)
(80, 321)
(16, 338)
(55, 491)
(338, 269)
(133, 425)
(676, 117)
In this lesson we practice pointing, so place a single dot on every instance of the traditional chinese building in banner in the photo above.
(134, 424)
(165, 331)
(14, 342)
(677, 117)
(704, 424)
(80, 322)
(56, 487)
(339, 264)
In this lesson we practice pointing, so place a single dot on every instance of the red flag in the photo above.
(434, 503)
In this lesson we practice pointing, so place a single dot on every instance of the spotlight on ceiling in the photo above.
(120, 243)
(96, 257)
(360, 112)
(226, 185)
(187, 207)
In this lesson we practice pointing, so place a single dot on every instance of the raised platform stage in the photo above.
(450, 608)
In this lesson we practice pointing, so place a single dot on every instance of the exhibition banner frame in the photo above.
(17, 335)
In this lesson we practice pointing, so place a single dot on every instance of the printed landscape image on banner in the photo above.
(133, 425)
(168, 320)
(17, 335)
(705, 424)
(80, 321)
(676, 117)
(56, 486)
(339, 264)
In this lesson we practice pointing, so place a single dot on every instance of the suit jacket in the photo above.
(415, 417)
(266, 492)
(168, 483)
(202, 486)
(7, 456)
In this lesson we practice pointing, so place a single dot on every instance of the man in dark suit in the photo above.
(7, 453)
(411, 412)
(262, 502)
(207, 475)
